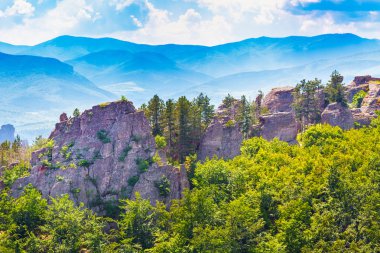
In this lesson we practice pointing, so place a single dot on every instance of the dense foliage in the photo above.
(319, 196)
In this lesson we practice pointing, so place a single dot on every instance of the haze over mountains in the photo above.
(38, 82)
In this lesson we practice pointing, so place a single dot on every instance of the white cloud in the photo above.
(136, 21)
(19, 7)
(121, 4)
(206, 22)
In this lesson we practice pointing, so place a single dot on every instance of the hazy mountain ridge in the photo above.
(65, 72)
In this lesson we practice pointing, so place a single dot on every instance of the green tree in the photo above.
(76, 112)
(307, 102)
(155, 110)
(335, 91)
(245, 116)
(183, 124)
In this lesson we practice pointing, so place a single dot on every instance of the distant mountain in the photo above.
(147, 71)
(88, 70)
(36, 89)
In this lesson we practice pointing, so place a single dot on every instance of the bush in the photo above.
(124, 153)
(103, 136)
(230, 124)
(123, 98)
(76, 112)
(163, 186)
(133, 180)
(160, 142)
(357, 100)
(142, 165)
(84, 163)
(11, 175)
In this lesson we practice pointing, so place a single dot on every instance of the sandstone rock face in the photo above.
(371, 102)
(101, 156)
(281, 122)
(279, 100)
(282, 125)
(337, 115)
(63, 117)
(222, 138)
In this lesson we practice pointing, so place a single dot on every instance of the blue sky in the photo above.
(206, 22)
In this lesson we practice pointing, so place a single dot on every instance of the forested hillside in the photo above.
(319, 196)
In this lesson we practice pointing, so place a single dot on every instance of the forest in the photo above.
(321, 195)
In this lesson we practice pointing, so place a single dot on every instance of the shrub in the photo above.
(103, 136)
(76, 112)
(142, 165)
(133, 180)
(124, 153)
(163, 186)
(11, 175)
(124, 98)
(103, 105)
(84, 163)
(230, 124)
(136, 138)
(357, 100)
(59, 178)
(160, 142)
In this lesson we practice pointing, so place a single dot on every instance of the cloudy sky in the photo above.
(206, 22)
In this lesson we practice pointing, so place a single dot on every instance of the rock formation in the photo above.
(7, 133)
(280, 122)
(337, 115)
(222, 138)
(101, 156)
(279, 100)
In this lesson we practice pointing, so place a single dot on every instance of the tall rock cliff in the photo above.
(101, 156)
(280, 122)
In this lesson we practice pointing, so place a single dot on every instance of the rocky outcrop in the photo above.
(371, 102)
(7, 133)
(101, 156)
(336, 114)
(282, 125)
(222, 138)
(279, 100)
(281, 121)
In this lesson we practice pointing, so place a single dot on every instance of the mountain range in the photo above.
(39, 82)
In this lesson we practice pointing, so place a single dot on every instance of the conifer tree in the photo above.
(306, 102)
(169, 122)
(183, 143)
(335, 89)
(155, 110)
(245, 116)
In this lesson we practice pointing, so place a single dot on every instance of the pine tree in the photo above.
(169, 122)
(183, 124)
(155, 110)
(334, 90)
(306, 102)
(245, 116)
(228, 101)
(76, 112)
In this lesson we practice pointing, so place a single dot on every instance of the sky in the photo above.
(204, 22)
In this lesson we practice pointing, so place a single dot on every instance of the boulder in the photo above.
(371, 102)
(63, 117)
(282, 125)
(337, 115)
(361, 118)
(222, 138)
(279, 100)
(101, 156)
